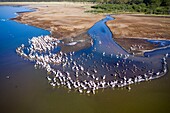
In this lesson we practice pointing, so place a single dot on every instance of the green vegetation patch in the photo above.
(132, 6)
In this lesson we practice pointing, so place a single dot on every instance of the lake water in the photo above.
(24, 89)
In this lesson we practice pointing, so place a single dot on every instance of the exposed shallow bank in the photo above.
(104, 64)
(63, 20)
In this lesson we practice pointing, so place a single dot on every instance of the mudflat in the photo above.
(63, 19)
(134, 30)
(140, 26)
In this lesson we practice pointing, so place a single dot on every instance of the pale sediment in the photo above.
(140, 26)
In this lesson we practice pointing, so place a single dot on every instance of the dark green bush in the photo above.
(141, 7)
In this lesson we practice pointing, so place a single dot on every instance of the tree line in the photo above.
(130, 6)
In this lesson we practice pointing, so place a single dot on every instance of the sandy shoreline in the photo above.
(63, 20)
(68, 21)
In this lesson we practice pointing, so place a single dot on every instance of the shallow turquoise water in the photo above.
(27, 89)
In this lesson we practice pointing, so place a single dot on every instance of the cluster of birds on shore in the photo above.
(86, 70)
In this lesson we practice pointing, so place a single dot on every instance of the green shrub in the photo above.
(141, 7)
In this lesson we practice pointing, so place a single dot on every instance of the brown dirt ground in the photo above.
(133, 30)
(140, 26)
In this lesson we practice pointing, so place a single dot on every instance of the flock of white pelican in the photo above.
(85, 72)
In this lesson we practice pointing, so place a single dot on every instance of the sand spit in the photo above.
(62, 19)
